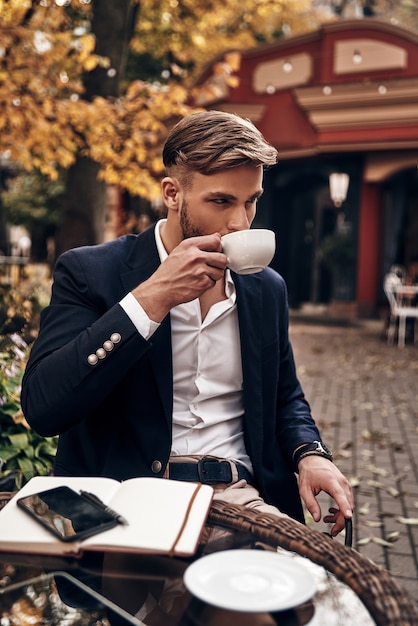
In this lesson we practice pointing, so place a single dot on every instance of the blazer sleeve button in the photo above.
(92, 359)
(108, 345)
(101, 353)
(156, 466)
(115, 337)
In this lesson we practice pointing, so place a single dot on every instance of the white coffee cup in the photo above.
(249, 251)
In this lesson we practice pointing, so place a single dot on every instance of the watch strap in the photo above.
(316, 448)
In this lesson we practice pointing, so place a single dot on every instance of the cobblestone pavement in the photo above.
(364, 397)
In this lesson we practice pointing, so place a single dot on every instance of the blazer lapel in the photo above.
(143, 262)
(250, 317)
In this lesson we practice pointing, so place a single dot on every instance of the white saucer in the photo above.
(250, 580)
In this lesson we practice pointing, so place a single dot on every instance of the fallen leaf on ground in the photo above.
(376, 484)
(409, 521)
(378, 470)
(364, 541)
(392, 537)
(381, 542)
(364, 510)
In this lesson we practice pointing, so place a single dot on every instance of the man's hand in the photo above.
(192, 268)
(317, 474)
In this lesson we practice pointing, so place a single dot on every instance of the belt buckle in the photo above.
(209, 461)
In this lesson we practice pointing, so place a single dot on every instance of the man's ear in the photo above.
(170, 189)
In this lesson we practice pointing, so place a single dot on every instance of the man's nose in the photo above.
(239, 220)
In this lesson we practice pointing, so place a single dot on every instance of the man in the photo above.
(152, 354)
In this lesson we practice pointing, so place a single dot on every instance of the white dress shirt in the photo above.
(207, 373)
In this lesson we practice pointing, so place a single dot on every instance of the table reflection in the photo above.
(157, 596)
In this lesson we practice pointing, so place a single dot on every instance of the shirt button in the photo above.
(92, 359)
(115, 337)
(108, 345)
(156, 466)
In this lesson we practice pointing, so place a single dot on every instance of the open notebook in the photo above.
(164, 517)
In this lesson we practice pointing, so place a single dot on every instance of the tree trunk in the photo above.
(83, 219)
(82, 222)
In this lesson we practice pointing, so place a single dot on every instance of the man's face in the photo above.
(223, 202)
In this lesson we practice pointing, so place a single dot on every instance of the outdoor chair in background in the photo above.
(399, 297)
(400, 271)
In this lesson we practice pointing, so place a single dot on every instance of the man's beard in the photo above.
(187, 228)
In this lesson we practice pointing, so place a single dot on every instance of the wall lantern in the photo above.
(338, 185)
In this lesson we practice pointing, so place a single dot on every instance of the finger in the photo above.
(313, 507)
(333, 512)
(337, 528)
(344, 501)
(209, 243)
(217, 260)
(333, 509)
(336, 518)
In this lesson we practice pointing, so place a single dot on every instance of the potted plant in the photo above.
(339, 254)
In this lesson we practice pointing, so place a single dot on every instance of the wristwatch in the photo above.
(316, 448)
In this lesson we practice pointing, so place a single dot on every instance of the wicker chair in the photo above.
(386, 601)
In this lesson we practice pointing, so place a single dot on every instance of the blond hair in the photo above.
(212, 141)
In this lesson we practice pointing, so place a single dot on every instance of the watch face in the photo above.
(316, 448)
(322, 447)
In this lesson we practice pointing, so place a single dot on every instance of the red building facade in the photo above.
(340, 99)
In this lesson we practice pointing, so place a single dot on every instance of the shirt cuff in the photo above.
(144, 325)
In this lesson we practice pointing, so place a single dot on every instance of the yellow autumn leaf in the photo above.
(87, 43)
(13, 11)
(90, 63)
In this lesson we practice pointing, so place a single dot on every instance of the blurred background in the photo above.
(89, 89)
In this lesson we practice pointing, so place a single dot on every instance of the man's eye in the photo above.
(220, 200)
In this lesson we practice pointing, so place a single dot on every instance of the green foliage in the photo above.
(32, 197)
(32, 200)
(23, 453)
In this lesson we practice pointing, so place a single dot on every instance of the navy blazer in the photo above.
(114, 417)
